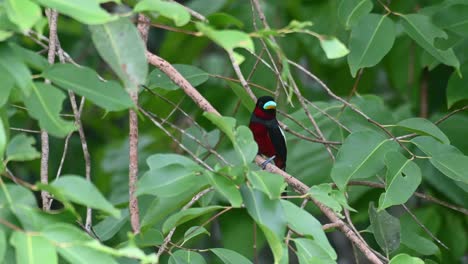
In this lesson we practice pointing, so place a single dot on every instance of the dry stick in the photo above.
(239, 74)
(52, 17)
(423, 226)
(426, 197)
(179, 80)
(25, 130)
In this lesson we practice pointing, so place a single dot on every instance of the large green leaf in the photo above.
(361, 156)
(120, 45)
(402, 179)
(172, 10)
(31, 58)
(371, 39)
(386, 229)
(456, 87)
(3, 244)
(270, 217)
(424, 127)
(7, 85)
(24, 13)
(16, 195)
(3, 142)
(186, 257)
(171, 180)
(31, 248)
(309, 251)
(85, 82)
(304, 223)
(88, 194)
(241, 138)
(269, 183)
(193, 232)
(21, 148)
(424, 32)
(187, 215)
(446, 158)
(12, 65)
(85, 11)
(405, 259)
(228, 39)
(230, 257)
(44, 104)
(226, 187)
(453, 18)
(243, 95)
(194, 75)
(351, 11)
(110, 226)
(71, 244)
(414, 237)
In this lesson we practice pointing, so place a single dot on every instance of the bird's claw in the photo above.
(270, 159)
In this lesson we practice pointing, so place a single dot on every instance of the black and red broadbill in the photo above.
(267, 132)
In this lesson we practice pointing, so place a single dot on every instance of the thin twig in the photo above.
(424, 227)
(239, 74)
(194, 13)
(25, 130)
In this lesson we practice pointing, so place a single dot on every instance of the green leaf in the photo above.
(402, 179)
(194, 75)
(88, 194)
(446, 158)
(242, 138)
(386, 229)
(187, 215)
(414, 237)
(456, 87)
(120, 45)
(193, 232)
(44, 104)
(15, 68)
(334, 199)
(31, 58)
(226, 187)
(242, 94)
(270, 217)
(228, 39)
(172, 10)
(424, 127)
(171, 180)
(361, 156)
(186, 257)
(8, 84)
(31, 248)
(129, 251)
(269, 183)
(229, 256)
(15, 195)
(149, 238)
(24, 13)
(304, 223)
(85, 82)
(71, 244)
(110, 226)
(309, 251)
(3, 244)
(351, 11)
(3, 142)
(5, 35)
(333, 47)
(424, 32)
(21, 148)
(224, 20)
(453, 18)
(405, 259)
(85, 11)
(161, 160)
(371, 39)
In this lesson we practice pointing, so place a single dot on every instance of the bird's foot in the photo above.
(270, 159)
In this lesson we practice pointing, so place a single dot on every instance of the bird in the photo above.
(267, 132)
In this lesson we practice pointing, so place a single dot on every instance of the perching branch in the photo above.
(179, 80)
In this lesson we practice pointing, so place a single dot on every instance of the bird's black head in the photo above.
(266, 105)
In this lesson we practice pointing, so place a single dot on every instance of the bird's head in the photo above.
(265, 107)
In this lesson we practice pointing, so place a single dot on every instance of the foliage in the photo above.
(385, 82)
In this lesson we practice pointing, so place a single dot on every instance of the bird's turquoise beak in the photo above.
(269, 105)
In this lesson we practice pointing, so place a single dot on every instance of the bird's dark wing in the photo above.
(279, 142)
